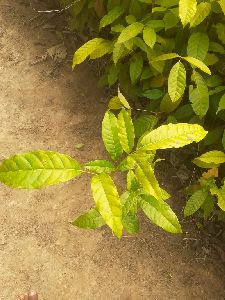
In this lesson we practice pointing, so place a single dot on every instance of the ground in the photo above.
(44, 105)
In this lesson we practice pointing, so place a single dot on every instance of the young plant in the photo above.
(38, 169)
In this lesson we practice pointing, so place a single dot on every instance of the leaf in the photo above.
(123, 100)
(144, 123)
(160, 214)
(222, 4)
(115, 103)
(210, 173)
(167, 105)
(220, 193)
(131, 223)
(146, 177)
(118, 52)
(197, 63)
(107, 202)
(112, 75)
(149, 36)
(166, 56)
(199, 96)
(110, 136)
(177, 81)
(130, 219)
(85, 50)
(221, 104)
(187, 9)
(172, 136)
(223, 140)
(195, 202)
(38, 169)
(111, 16)
(91, 219)
(198, 45)
(153, 94)
(129, 32)
(210, 159)
(208, 206)
(170, 20)
(132, 184)
(211, 59)
(125, 131)
(216, 47)
(214, 80)
(105, 48)
(220, 30)
(100, 166)
(203, 10)
(136, 67)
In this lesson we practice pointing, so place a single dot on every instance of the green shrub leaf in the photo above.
(167, 105)
(100, 166)
(38, 169)
(110, 136)
(166, 56)
(210, 159)
(220, 193)
(107, 202)
(221, 104)
(125, 130)
(187, 9)
(136, 67)
(160, 214)
(144, 123)
(195, 202)
(91, 220)
(172, 136)
(106, 48)
(203, 10)
(149, 36)
(111, 16)
(129, 32)
(198, 45)
(177, 81)
(197, 63)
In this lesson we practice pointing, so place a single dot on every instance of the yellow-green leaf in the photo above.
(166, 56)
(136, 66)
(177, 81)
(198, 63)
(221, 104)
(106, 48)
(149, 36)
(38, 169)
(198, 45)
(222, 4)
(99, 166)
(91, 220)
(160, 214)
(220, 193)
(111, 16)
(203, 10)
(110, 136)
(125, 130)
(167, 105)
(107, 202)
(172, 136)
(123, 100)
(129, 32)
(187, 9)
(210, 159)
(195, 202)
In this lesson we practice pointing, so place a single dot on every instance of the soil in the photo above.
(44, 105)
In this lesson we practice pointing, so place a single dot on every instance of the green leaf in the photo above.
(216, 47)
(125, 130)
(38, 169)
(144, 123)
(203, 10)
(172, 136)
(195, 202)
(149, 36)
(167, 105)
(85, 50)
(187, 9)
(220, 193)
(160, 214)
(211, 59)
(153, 94)
(113, 72)
(136, 67)
(111, 16)
(198, 45)
(100, 166)
(197, 63)
(221, 104)
(200, 96)
(105, 48)
(123, 100)
(166, 56)
(213, 81)
(118, 52)
(222, 4)
(110, 136)
(210, 159)
(177, 81)
(107, 202)
(220, 30)
(115, 103)
(129, 32)
(131, 223)
(208, 206)
(170, 20)
(130, 219)
(130, 19)
(145, 176)
(91, 219)
(132, 184)
(223, 140)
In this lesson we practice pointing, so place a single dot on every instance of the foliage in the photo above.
(132, 155)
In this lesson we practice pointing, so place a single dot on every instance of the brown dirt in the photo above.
(38, 247)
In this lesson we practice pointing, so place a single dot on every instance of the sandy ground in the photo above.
(38, 247)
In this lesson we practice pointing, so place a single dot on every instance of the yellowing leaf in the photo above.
(222, 4)
(187, 9)
(177, 81)
(210, 173)
(149, 36)
(203, 10)
(166, 56)
(106, 48)
(125, 130)
(111, 16)
(123, 100)
(85, 50)
(210, 159)
(198, 45)
(197, 63)
(107, 202)
(172, 136)
(129, 32)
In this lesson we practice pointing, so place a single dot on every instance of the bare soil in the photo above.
(44, 105)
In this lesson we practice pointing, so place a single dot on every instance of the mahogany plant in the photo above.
(132, 148)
